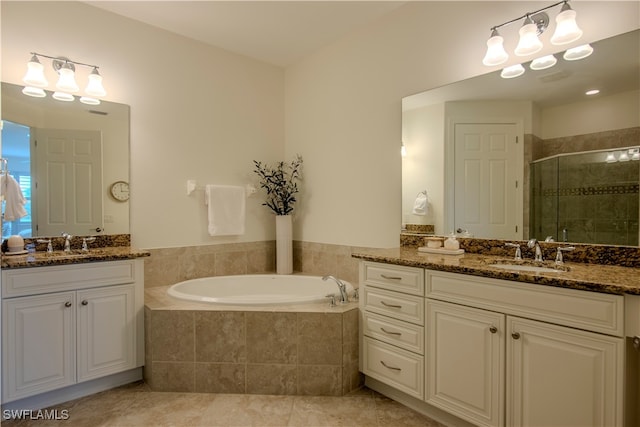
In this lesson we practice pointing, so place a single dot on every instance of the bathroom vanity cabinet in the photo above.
(494, 352)
(65, 326)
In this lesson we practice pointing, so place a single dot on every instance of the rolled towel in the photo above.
(421, 204)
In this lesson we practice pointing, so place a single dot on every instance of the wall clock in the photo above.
(120, 191)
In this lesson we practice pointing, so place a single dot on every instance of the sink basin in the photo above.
(528, 268)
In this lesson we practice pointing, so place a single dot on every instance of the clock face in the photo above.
(120, 191)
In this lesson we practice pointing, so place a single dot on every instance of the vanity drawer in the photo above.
(396, 367)
(402, 334)
(394, 277)
(394, 304)
(586, 310)
(39, 280)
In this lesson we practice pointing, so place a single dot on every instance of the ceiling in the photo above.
(277, 32)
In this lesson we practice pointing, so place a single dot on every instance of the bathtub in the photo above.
(257, 289)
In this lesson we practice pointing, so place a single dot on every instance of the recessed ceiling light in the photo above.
(592, 92)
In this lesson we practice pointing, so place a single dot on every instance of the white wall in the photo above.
(204, 113)
(344, 113)
(619, 111)
(197, 112)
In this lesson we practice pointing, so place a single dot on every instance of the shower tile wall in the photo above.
(594, 201)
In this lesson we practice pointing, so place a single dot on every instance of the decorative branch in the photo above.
(279, 181)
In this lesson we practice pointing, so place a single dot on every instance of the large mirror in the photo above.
(531, 156)
(65, 157)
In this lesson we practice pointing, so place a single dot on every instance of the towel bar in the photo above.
(192, 186)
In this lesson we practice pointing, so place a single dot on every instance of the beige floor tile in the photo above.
(333, 411)
(248, 410)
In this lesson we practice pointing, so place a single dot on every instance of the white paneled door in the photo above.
(68, 188)
(487, 181)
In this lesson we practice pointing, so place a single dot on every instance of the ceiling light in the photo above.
(592, 92)
(35, 73)
(543, 63)
(567, 30)
(579, 52)
(512, 71)
(529, 42)
(496, 54)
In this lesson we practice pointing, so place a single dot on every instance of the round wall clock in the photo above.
(120, 191)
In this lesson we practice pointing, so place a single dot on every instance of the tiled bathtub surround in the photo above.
(280, 351)
(167, 266)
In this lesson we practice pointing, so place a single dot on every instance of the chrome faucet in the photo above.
(533, 243)
(344, 298)
(518, 255)
(67, 241)
(559, 258)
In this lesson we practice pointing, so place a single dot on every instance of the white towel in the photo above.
(421, 204)
(14, 199)
(226, 209)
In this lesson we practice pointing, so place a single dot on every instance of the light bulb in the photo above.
(496, 54)
(529, 42)
(94, 87)
(567, 30)
(34, 76)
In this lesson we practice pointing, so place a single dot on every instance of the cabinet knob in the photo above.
(67, 304)
(493, 329)
(515, 335)
(84, 302)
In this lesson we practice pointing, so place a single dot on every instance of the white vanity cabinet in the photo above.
(66, 325)
(496, 353)
(392, 307)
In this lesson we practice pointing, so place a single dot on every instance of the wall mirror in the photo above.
(531, 156)
(66, 156)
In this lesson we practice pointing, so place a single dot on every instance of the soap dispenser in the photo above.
(452, 243)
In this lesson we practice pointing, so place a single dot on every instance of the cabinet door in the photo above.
(465, 362)
(106, 331)
(557, 376)
(38, 344)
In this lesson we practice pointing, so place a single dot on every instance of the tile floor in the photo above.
(136, 405)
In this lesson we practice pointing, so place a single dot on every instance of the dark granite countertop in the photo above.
(583, 276)
(42, 258)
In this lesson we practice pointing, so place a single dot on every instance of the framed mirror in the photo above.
(65, 156)
(545, 172)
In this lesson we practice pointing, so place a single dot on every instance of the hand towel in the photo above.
(14, 199)
(226, 209)
(421, 204)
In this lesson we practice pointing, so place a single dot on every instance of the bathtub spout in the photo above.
(344, 298)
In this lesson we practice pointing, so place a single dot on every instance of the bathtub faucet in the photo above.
(344, 298)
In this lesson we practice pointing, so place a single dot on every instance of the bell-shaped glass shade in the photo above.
(623, 157)
(579, 52)
(496, 54)
(63, 96)
(567, 30)
(35, 73)
(543, 63)
(89, 101)
(36, 92)
(611, 158)
(512, 71)
(529, 42)
(94, 87)
(67, 81)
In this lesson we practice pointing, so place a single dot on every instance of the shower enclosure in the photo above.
(587, 197)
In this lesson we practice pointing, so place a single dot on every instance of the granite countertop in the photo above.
(42, 258)
(583, 276)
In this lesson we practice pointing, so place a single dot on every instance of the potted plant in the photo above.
(280, 184)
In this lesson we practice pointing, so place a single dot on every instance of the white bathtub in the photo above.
(257, 289)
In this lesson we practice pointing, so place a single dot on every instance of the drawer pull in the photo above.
(515, 335)
(390, 333)
(384, 276)
(67, 304)
(390, 367)
(493, 329)
(390, 305)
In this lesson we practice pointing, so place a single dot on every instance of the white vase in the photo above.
(284, 244)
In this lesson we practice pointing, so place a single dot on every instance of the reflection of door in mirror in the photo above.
(486, 180)
(68, 195)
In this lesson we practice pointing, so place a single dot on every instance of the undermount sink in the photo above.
(528, 268)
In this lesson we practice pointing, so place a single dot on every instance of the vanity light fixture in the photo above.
(36, 81)
(535, 23)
